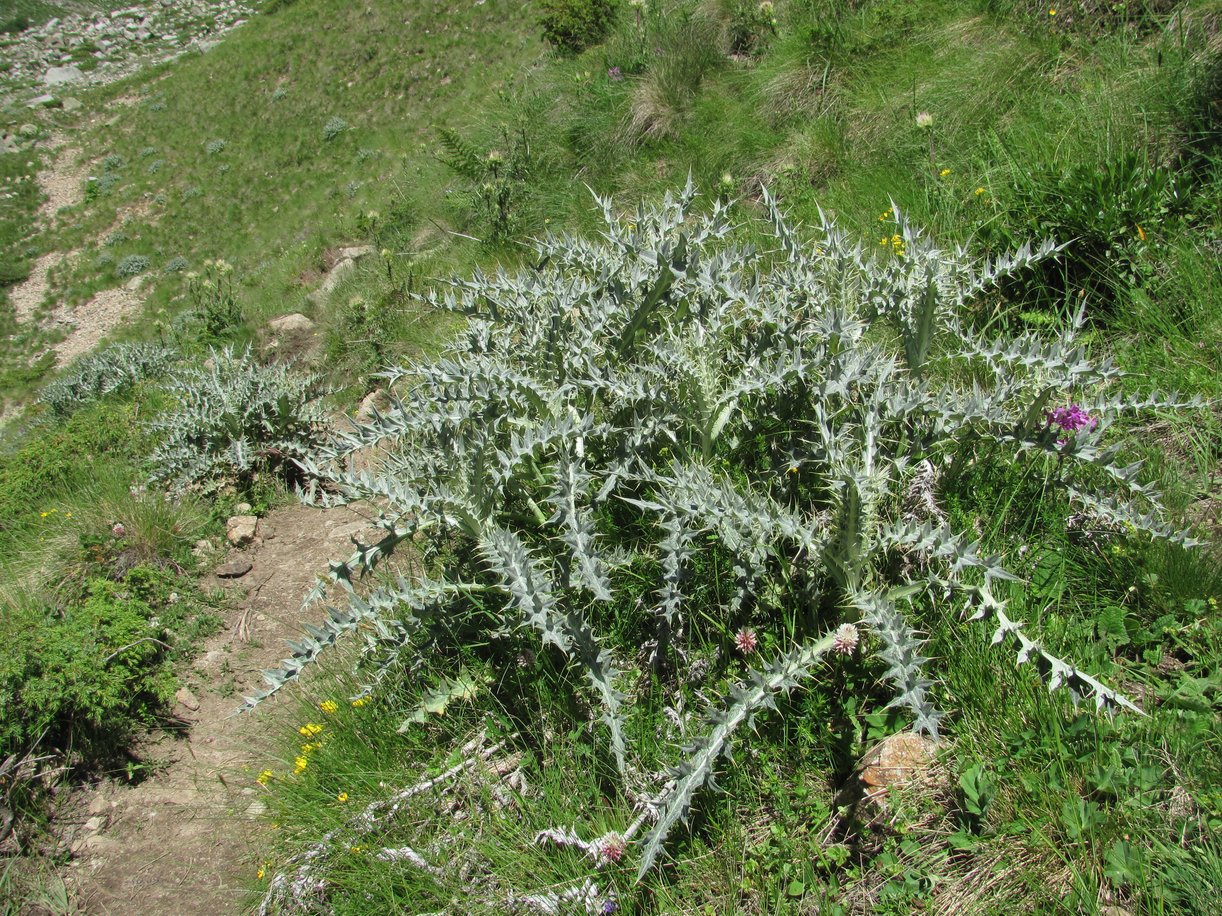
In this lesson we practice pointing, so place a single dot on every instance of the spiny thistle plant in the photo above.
(235, 420)
(107, 371)
(658, 401)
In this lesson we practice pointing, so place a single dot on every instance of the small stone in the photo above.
(71, 104)
(242, 509)
(289, 323)
(210, 661)
(99, 805)
(58, 76)
(95, 824)
(96, 842)
(338, 273)
(256, 810)
(184, 697)
(234, 569)
(895, 761)
(240, 530)
(40, 101)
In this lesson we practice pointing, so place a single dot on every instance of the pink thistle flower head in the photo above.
(611, 848)
(845, 639)
(746, 641)
(118, 530)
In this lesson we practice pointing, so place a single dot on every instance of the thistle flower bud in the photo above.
(846, 639)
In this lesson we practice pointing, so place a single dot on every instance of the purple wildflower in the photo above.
(609, 907)
(1072, 418)
(616, 74)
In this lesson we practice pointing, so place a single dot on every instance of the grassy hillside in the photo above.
(445, 136)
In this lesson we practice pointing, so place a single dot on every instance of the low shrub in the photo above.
(571, 26)
(81, 678)
(236, 423)
(132, 266)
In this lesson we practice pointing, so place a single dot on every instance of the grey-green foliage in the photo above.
(107, 371)
(235, 420)
(334, 127)
(131, 266)
(657, 393)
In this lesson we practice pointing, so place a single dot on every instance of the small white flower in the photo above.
(846, 639)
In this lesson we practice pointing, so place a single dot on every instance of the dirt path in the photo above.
(63, 184)
(185, 841)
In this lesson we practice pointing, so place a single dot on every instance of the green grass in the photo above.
(276, 193)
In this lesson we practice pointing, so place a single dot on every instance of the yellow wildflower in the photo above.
(299, 765)
(311, 747)
(979, 191)
(309, 730)
(1052, 12)
(360, 701)
(342, 797)
(328, 706)
(356, 848)
(259, 874)
(264, 778)
(944, 173)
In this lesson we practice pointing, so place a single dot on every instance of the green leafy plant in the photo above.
(215, 300)
(977, 789)
(758, 437)
(498, 178)
(84, 677)
(1108, 215)
(571, 26)
(752, 24)
(235, 421)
